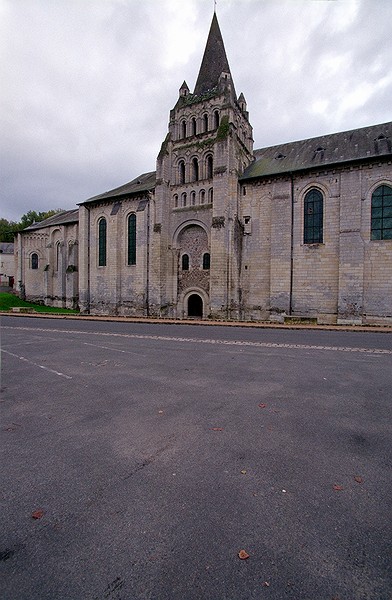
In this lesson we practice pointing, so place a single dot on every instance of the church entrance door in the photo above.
(195, 306)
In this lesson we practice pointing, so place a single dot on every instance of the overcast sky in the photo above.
(86, 86)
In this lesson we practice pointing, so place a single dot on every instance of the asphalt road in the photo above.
(153, 454)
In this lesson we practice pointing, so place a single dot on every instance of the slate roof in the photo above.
(214, 61)
(322, 151)
(67, 216)
(6, 247)
(143, 183)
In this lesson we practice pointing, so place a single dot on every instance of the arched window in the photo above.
(216, 119)
(175, 198)
(193, 198)
(132, 239)
(183, 199)
(209, 166)
(102, 242)
(381, 226)
(183, 129)
(313, 217)
(181, 172)
(195, 169)
(206, 261)
(185, 262)
(202, 196)
(34, 260)
(205, 122)
(210, 195)
(194, 128)
(58, 255)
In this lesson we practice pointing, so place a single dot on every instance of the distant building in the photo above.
(7, 264)
(223, 231)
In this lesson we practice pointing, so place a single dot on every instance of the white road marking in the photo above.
(36, 364)
(111, 348)
(208, 340)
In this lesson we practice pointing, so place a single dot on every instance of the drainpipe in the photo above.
(148, 258)
(88, 260)
(291, 244)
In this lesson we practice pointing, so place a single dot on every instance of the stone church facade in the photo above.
(221, 231)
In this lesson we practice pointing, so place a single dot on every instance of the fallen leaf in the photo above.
(243, 472)
(37, 514)
(262, 405)
(217, 428)
(358, 479)
(243, 555)
(266, 584)
(337, 488)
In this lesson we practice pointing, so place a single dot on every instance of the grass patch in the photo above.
(8, 301)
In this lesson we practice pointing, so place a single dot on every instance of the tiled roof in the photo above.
(67, 216)
(143, 183)
(336, 148)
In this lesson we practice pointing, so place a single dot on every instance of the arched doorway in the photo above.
(195, 306)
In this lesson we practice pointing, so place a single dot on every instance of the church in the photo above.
(219, 230)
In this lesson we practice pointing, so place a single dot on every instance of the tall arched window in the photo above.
(216, 119)
(183, 129)
(175, 198)
(181, 172)
(205, 122)
(132, 239)
(210, 195)
(185, 262)
(58, 255)
(202, 196)
(34, 260)
(195, 169)
(381, 226)
(102, 242)
(193, 198)
(206, 261)
(313, 217)
(194, 128)
(209, 166)
(183, 199)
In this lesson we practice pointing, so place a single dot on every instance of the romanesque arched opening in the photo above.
(195, 306)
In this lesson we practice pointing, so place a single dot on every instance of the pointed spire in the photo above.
(214, 61)
(184, 89)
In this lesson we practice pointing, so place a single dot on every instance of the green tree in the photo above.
(8, 229)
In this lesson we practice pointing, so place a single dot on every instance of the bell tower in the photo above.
(208, 146)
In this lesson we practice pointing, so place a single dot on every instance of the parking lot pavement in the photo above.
(138, 460)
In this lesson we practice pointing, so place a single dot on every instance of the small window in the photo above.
(185, 262)
(183, 129)
(195, 169)
(313, 217)
(193, 198)
(210, 195)
(194, 128)
(206, 261)
(205, 122)
(381, 223)
(132, 239)
(183, 199)
(202, 196)
(209, 166)
(181, 172)
(102, 230)
(216, 119)
(175, 199)
(34, 261)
